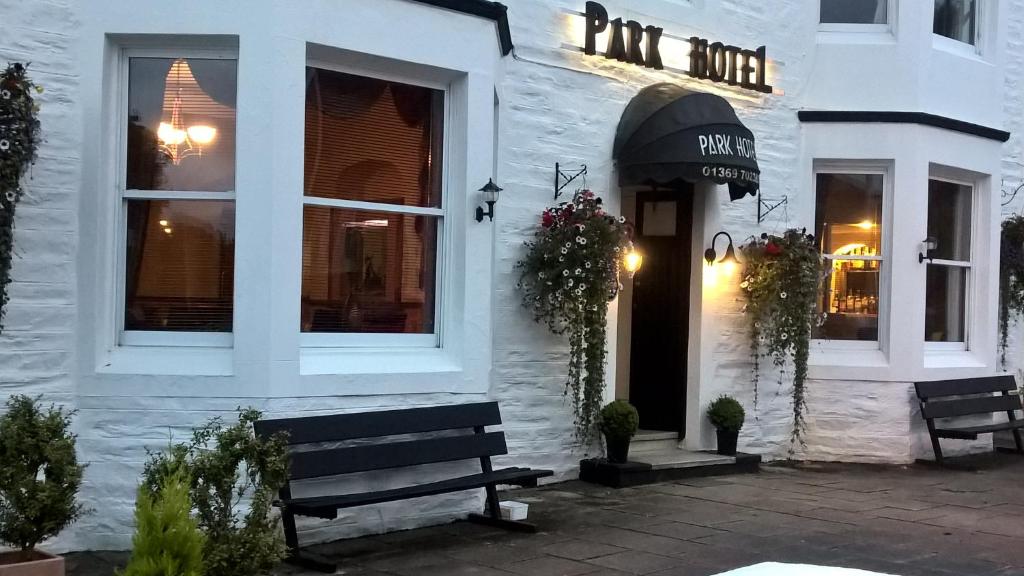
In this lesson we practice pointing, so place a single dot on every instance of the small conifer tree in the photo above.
(167, 541)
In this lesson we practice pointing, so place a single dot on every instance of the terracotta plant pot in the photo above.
(618, 449)
(727, 440)
(41, 564)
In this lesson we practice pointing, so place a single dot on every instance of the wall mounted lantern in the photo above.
(928, 245)
(729, 261)
(632, 260)
(490, 193)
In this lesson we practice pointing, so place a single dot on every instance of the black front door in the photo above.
(661, 297)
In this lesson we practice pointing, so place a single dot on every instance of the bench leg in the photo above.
(935, 443)
(1017, 440)
(493, 515)
(297, 557)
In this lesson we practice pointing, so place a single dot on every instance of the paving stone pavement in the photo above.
(901, 520)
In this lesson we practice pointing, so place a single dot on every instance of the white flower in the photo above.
(561, 258)
(519, 285)
(569, 283)
(757, 324)
(579, 239)
(5, 94)
(622, 219)
(583, 240)
(782, 295)
(568, 244)
(760, 339)
(587, 264)
(10, 196)
(4, 145)
(784, 336)
(565, 273)
(583, 286)
(744, 284)
(617, 249)
(565, 250)
(581, 227)
(540, 274)
(579, 272)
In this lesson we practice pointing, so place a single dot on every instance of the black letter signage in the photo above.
(633, 43)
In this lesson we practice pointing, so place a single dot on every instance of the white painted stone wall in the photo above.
(556, 106)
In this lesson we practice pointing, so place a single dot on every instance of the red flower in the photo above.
(772, 249)
(547, 220)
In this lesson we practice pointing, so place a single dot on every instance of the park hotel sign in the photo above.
(633, 43)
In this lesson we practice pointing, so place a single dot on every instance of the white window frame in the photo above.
(884, 168)
(941, 175)
(132, 338)
(960, 47)
(851, 28)
(444, 240)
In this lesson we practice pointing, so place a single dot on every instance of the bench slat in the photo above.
(332, 461)
(971, 432)
(309, 429)
(937, 388)
(327, 506)
(966, 406)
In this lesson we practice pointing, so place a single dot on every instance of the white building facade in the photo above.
(307, 242)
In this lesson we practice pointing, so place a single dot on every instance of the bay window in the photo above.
(848, 228)
(177, 196)
(949, 265)
(373, 212)
(957, 19)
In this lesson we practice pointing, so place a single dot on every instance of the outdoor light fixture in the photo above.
(633, 260)
(927, 246)
(490, 192)
(729, 261)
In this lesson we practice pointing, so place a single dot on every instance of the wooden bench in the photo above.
(969, 396)
(429, 435)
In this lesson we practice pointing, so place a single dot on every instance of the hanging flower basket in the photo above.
(568, 276)
(782, 280)
(19, 137)
(1011, 278)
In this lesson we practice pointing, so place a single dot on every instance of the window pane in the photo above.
(945, 304)
(368, 271)
(854, 11)
(180, 262)
(848, 217)
(181, 124)
(372, 140)
(949, 220)
(956, 19)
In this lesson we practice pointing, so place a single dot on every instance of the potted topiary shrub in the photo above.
(39, 480)
(618, 422)
(727, 415)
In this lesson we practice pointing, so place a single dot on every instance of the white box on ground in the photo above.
(511, 510)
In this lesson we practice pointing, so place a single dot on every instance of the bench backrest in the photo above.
(936, 401)
(317, 462)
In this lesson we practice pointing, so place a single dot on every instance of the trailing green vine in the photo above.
(569, 274)
(19, 137)
(782, 278)
(1011, 278)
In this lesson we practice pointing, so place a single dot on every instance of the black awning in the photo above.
(668, 133)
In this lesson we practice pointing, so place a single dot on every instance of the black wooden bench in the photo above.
(427, 436)
(944, 399)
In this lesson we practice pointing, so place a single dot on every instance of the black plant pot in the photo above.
(618, 448)
(727, 442)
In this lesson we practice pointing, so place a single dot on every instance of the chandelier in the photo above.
(178, 141)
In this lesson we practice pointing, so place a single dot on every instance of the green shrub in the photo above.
(726, 414)
(235, 476)
(167, 541)
(619, 419)
(39, 473)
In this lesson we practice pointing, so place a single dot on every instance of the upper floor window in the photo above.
(178, 198)
(957, 19)
(949, 268)
(854, 12)
(848, 226)
(374, 213)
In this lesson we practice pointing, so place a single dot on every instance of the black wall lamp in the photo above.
(928, 245)
(490, 192)
(730, 252)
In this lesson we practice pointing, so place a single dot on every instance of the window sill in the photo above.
(949, 358)
(328, 361)
(834, 361)
(958, 48)
(872, 34)
(169, 361)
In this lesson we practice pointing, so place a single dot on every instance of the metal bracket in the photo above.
(1009, 197)
(564, 178)
(765, 206)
